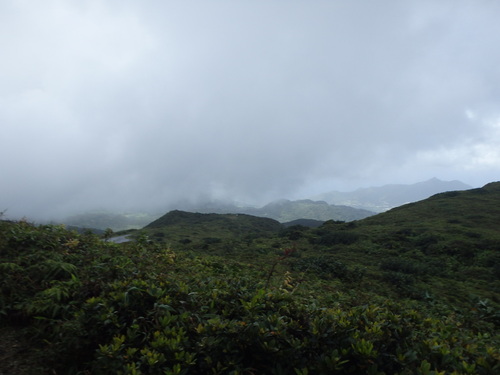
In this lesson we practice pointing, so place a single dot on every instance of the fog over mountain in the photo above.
(127, 105)
(334, 205)
(382, 198)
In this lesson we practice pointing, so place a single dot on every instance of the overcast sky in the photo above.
(133, 105)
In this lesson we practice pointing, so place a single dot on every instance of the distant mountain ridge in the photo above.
(383, 198)
(285, 210)
(334, 205)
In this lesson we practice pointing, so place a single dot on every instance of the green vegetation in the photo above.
(415, 290)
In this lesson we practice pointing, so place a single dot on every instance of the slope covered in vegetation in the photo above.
(415, 290)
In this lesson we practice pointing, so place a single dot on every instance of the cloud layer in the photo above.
(135, 105)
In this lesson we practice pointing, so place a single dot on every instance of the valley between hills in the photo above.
(412, 290)
(333, 205)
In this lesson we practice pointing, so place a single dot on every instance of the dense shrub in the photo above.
(140, 308)
(335, 238)
(399, 279)
(325, 267)
(211, 240)
(404, 284)
(426, 240)
(403, 265)
(294, 232)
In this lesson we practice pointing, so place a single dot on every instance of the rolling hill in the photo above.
(447, 245)
(202, 230)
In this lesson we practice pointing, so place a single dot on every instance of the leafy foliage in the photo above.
(409, 292)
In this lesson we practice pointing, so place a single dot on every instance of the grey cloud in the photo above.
(126, 104)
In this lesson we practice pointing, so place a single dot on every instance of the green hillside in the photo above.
(415, 290)
(476, 208)
(447, 246)
(236, 224)
(204, 232)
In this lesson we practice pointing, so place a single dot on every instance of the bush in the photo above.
(324, 267)
(404, 284)
(335, 238)
(399, 279)
(138, 308)
(403, 265)
(424, 241)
